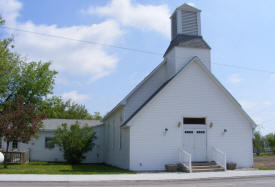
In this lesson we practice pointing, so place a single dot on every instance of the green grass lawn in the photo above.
(61, 168)
(264, 154)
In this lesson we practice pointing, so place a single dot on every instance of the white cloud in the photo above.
(9, 9)
(267, 103)
(145, 17)
(191, 4)
(235, 78)
(76, 97)
(74, 58)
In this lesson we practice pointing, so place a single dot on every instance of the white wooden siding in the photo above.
(145, 91)
(116, 153)
(176, 59)
(38, 152)
(191, 93)
(183, 55)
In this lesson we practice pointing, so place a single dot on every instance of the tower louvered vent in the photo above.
(189, 23)
(185, 21)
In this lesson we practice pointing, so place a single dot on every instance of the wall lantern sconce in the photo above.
(178, 124)
(165, 131)
(224, 131)
(211, 125)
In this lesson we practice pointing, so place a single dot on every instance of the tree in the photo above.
(258, 142)
(74, 141)
(23, 86)
(55, 107)
(19, 122)
(271, 141)
(31, 80)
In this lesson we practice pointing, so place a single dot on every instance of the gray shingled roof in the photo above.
(52, 124)
(190, 41)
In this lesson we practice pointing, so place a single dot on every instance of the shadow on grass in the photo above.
(95, 168)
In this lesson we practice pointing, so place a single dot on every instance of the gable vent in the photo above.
(189, 23)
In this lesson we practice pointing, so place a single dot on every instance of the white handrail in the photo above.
(219, 157)
(185, 159)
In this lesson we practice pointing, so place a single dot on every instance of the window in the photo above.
(200, 132)
(188, 132)
(120, 137)
(107, 136)
(15, 145)
(121, 118)
(114, 137)
(47, 142)
(200, 121)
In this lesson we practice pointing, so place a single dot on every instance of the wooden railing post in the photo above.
(22, 157)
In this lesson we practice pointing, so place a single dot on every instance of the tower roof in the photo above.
(182, 40)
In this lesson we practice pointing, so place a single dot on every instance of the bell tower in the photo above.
(186, 20)
(186, 40)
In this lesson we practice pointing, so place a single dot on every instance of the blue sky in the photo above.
(241, 33)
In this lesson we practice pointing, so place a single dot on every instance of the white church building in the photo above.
(179, 113)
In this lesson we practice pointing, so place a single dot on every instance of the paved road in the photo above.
(241, 182)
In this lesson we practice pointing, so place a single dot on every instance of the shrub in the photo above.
(258, 143)
(74, 142)
(271, 141)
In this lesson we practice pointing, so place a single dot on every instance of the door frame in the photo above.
(195, 127)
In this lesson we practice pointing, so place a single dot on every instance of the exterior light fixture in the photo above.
(211, 125)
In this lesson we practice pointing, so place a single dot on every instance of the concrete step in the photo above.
(201, 167)
(203, 163)
(206, 167)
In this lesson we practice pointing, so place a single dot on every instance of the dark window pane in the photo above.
(193, 120)
(14, 145)
(200, 132)
(188, 132)
(47, 142)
